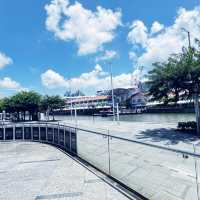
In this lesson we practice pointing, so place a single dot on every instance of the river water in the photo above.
(144, 117)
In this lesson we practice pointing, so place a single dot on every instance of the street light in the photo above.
(196, 101)
(196, 104)
(113, 100)
(196, 89)
(188, 33)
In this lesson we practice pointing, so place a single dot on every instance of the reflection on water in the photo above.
(153, 118)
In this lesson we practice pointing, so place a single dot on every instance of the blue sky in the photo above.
(52, 46)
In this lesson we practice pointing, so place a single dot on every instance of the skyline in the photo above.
(52, 46)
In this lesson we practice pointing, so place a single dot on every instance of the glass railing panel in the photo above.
(18, 132)
(9, 135)
(43, 133)
(61, 135)
(1, 133)
(197, 150)
(73, 140)
(35, 133)
(94, 149)
(56, 135)
(67, 138)
(27, 132)
(155, 173)
(49, 133)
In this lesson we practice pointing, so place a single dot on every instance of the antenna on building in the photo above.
(135, 77)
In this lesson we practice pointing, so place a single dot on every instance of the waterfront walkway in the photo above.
(153, 172)
(162, 134)
(33, 171)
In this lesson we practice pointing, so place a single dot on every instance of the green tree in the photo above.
(69, 93)
(7, 105)
(177, 78)
(50, 103)
(22, 102)
(27, 101)
(1, 105)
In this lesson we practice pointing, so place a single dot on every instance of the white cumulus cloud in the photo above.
(90, 30)
(52, 79)
(107, 55)
(133, 56)
(89, 82)
(4, 60)
(8, 83)
(158, 47)
(156, 27)
(138, 33)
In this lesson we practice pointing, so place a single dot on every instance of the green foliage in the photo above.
(26, 101)
(68, 93)
(177, 78)
(22, 102)
(52, 102)
(7, 105)
(187, 126)
(30, 102)
(1, 105)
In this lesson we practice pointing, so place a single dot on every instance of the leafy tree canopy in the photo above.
(68, 93)
(30, 102)
(177, 78)
(52, 102)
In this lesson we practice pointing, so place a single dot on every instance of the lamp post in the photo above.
(113, 100)
(71, 111)
(196, 89)
(188, 33)
(75, 115)
(195, 96)
(196, 105)
(70, 97)
(117, 113)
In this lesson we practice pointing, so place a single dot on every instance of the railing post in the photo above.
(197, 112)
(13, 132)
(58, 134)
(46, 132)
(75, 114)
(70, 140)
(196, 173)
(23, 131)
(39, 132)
(76, 145)
(109, 152)
(118, 114)
(4, 133)
(64, 137)
(31, 132)
(2, 130)
(53, 136)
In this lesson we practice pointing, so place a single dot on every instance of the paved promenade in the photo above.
(163, 134)
(155, 173)
(33, 171)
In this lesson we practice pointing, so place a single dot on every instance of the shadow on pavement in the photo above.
(170, 136)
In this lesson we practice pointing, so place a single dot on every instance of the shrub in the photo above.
(187, 126)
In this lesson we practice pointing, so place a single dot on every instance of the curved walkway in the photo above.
(36, 171)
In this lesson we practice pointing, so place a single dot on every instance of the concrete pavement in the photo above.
(33, 171)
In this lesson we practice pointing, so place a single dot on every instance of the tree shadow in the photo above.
(168, 135)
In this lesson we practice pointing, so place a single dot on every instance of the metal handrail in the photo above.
(108, 135)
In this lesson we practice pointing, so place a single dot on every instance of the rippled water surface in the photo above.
(153, 118)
